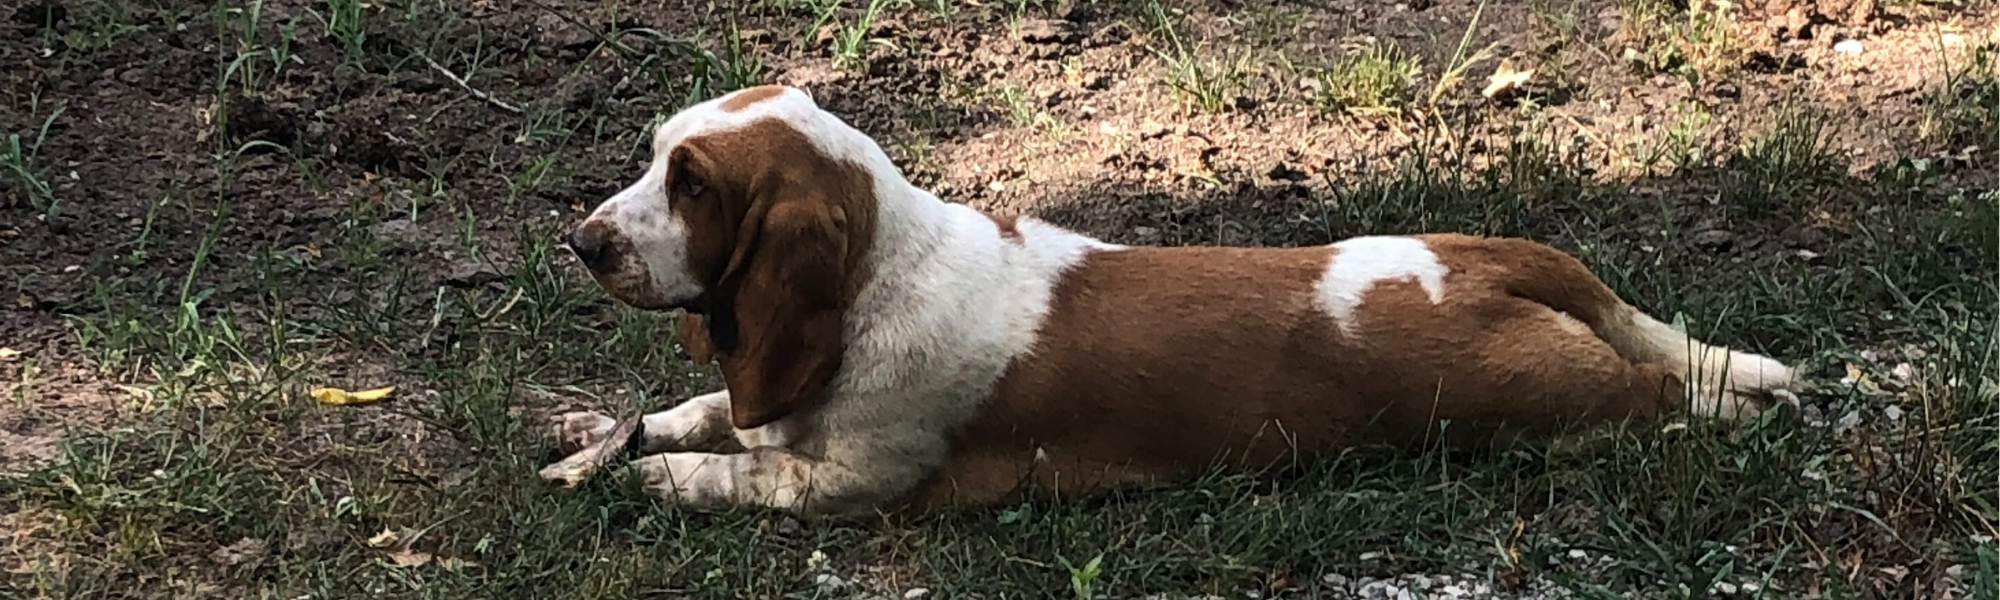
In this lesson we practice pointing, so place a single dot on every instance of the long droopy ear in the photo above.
(778, 317)
(693, 333)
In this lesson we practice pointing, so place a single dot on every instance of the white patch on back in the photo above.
(1360, 263)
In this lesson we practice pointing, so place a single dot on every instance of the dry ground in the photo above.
(208, 208)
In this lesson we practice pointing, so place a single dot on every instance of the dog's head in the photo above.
(756, 214)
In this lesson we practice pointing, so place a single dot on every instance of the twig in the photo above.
(468, 87)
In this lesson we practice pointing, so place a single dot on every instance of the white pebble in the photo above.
(916, 593)
(829, 581)
(1848, 47)
(1847, 421)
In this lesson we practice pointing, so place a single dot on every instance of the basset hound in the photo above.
(885, 350)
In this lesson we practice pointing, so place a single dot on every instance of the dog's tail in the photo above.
(1720, 381)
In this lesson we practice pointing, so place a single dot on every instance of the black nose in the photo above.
(586, 246)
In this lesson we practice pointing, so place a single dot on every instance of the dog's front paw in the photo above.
(596, 445)
(578, 430)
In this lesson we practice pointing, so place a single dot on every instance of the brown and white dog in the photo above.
(883, 349)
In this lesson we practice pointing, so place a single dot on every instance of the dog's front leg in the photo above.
(699, 424)
(848, 475)
(764, 476)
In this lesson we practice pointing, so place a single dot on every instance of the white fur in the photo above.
(952, 301)
(1720, 381)
(1360, 263)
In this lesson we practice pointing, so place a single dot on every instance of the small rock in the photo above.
(916, 593)
(998, 186)
(1847, 421)
(1726, 90)
(829, 582)
(1726, 588)
(1893, 413)
(1578, 555)
(1848, 46)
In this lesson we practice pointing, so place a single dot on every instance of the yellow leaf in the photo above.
(1505, 78)
(385, 539)
(339, 397)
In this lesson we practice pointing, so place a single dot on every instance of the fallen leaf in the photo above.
(243, 551)
(1505, 78)
(409, 558)
(339, 397)
(387, 538)
(1860, 380)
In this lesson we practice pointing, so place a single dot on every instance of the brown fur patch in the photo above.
(744, 98)
(778, 234)
(1156, 362)
(1006, 225)
(693, 333)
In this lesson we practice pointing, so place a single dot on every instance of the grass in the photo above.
(1205, 79)
(1786, 164)
(1693, 42)
(24, 178)
(219, 477)
(1369, 78)
(1959, 107)
(851, 42)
